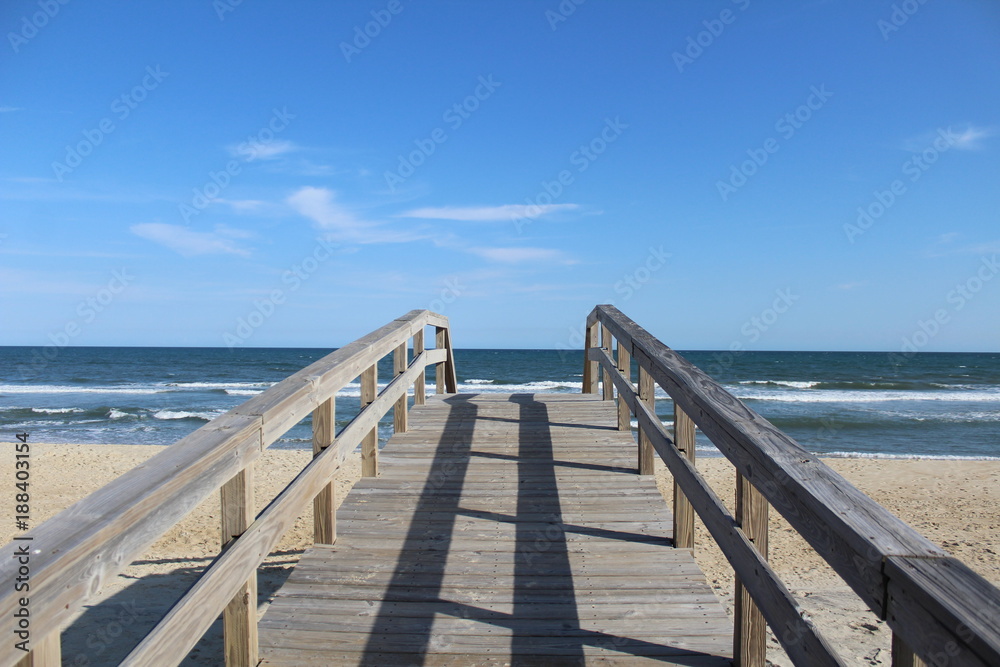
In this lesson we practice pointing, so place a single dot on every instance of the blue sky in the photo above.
(780, 175)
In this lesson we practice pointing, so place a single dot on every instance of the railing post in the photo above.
(750, 630)
(646, 395)
(683, 511)
(903, 655)
(46, 653)
(590, 368)
(420, 385)
(399, 411)
(369, 446)
(608, 388)
(439, 343)
(444, 372)
(325, 503)
(625, 366)
(239, 618)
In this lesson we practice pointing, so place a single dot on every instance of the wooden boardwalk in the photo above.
(501, 530)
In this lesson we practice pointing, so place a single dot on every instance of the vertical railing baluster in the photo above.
(439, 372)
(625, 366)
(239, 618)
(325, 502)
(750, 630)
(646, 395)
(590, 368)
(369, 446)
(46, 653)
(683, 511)
(608, 388)
(399, 411)
(420, 384)
(903, 655)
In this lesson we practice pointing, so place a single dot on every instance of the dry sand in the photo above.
(954, 503)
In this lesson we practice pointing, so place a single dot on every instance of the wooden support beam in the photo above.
(903, 655)
(608, 387)
(750, 630)
(46, 653)
(399, 411)
(684, 439)
(239, 618)
(440, 341)
(420, 385)
(625, 366)
(590, 368)
(369, 446)
(647, 396)
(325, 503)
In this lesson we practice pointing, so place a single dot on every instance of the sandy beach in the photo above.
(954, 503)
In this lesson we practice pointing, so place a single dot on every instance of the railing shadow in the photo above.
(105, 633)
(419, 567)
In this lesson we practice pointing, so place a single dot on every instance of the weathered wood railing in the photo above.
(80, 551)
(937, 608)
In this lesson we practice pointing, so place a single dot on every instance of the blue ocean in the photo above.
(928, 405)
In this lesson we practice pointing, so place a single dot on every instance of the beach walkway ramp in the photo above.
(501, 529)
(520, 529)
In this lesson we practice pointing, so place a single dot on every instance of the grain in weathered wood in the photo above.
(401, 409)
(749, 629)
(684, 441)
(847, 528)
(420, 384)
(625, 368)
(799, 637)
(325, 503)
(607, 388)
(47, 652)
(427, 543)
(943, 610)
(84, 547)
(903, 655)
(239, 618)
(369, 446)
(590, 368)
(180, 629)
(647, 396)
(853, 533)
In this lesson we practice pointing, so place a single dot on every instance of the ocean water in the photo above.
(928, 405)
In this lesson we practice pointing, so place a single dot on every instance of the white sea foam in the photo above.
(916, 457)
(115, 413)
(72, 389)
(243, 392)
(219, 385)
(852, 396)
(794, 384)
(479, 382)
(55, 411)
(184, 414)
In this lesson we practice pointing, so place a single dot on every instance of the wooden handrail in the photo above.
(79, 551)
(933, 603)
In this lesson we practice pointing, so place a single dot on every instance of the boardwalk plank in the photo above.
(507, 530)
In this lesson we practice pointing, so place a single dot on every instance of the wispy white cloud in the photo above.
(971, 138)
(340, 223)
(10, 109)
(320, 206)
(851, 286)
(264, 151)
(242, 205)
(189, 242)
(516, 255)
(505, 212)
(964, 137)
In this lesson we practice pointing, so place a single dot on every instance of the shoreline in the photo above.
(953, 502)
